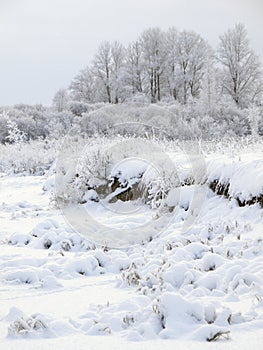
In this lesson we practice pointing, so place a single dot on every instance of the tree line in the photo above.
(170, 65)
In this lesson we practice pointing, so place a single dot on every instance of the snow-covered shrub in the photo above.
(20, 239)
(59, 124)
(165, 119)
(49, 235)
(4, 118)
(29, 120)
(231, 121)
(81, 165)
(25, 325)
(33, 158)
(131, 276)
(78, 108)
(129, 119)
(27, 276)
(14, 134)
(115, 168)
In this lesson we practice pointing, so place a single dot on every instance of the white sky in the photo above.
(44, 43)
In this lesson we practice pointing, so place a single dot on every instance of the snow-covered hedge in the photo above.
(166, 119)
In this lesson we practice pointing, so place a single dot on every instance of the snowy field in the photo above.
(194, 288)
(131, 175)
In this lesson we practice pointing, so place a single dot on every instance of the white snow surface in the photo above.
(58, 290)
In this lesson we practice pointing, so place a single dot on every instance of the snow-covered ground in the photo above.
(58, 290)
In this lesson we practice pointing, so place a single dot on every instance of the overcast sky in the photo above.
(44, 43)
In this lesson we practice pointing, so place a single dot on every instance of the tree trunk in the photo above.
(108, 93)
(158, 88)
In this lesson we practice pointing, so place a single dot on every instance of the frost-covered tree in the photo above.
(82, 86)
(60, 100)
(109, 72)
(190, 54)
(102, 68)
(152, 41)
(241, 78)
(134, 67)
(171, 62)
(209, 94)
(172, 65)
(117, 68)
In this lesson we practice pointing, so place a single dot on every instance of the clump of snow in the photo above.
(129, 168)
(36, 325)
(27, 325)
(244, 177)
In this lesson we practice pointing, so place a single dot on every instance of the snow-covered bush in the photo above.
(113, 168)
(24, 325)
(33, 158)
(165, 119)
(14, 134)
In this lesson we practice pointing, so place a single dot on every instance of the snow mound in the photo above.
(238, 179)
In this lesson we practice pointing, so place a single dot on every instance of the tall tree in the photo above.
(190, 55)
(209, 94)
(152, 41)
(102, 67)
(134, 67)
(171, 62)
(108, 69)
(241, 78)
(82, 86)
(117, 79)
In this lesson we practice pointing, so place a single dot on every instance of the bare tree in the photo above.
(134, 67)
(82, 86)
(209, 94)
(152, 41)
(108, 69)
(190, 55)
(171, 62)
(60, 100)
(117, 79)
(241, 67)
(102, 67)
